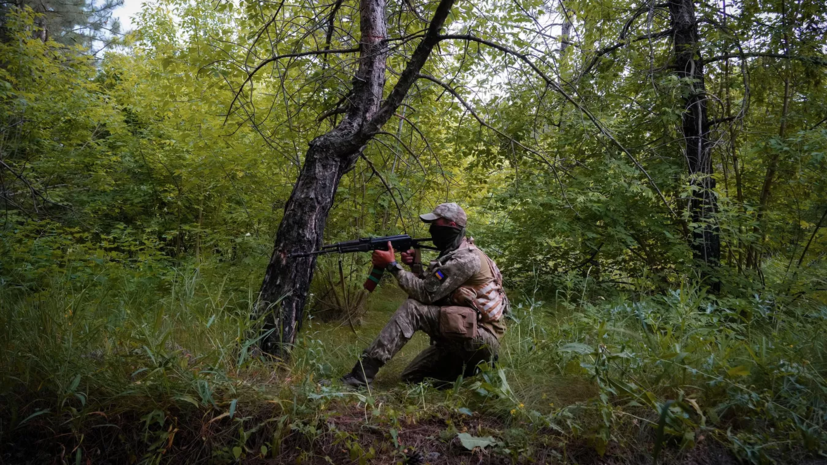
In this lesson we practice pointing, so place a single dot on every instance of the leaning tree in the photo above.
(379, 52)
(365, 110)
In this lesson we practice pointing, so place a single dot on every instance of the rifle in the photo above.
(401, 242)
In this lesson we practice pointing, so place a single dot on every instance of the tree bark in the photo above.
(565, 30)
(705, 235)
(772, 164)
(331, 155)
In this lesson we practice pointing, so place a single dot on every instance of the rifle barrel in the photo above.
(357, 247)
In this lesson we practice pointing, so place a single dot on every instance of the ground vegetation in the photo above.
(649, 177)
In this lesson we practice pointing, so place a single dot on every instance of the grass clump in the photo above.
(165, 371)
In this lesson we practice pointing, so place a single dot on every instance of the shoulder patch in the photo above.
(439, 275)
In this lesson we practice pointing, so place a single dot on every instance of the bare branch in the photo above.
(718, 121)
(642, 9)
(388, 187)
(599, 54)
(396, 154)
(813, 60)
(424, 139)
(281, 57)
(554, 86)
(263, 29)
(421, 135)
(473, 113)
(333, 112)
(818, 124)
(330, 23)
(413, 9)
(415, 64)
(337, 108)
(405, 146)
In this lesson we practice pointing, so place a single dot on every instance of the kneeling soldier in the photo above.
(458, 301)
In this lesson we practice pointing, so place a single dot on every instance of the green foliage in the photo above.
(137, 208)
(164, 359)
(102, 165)
(66, 21)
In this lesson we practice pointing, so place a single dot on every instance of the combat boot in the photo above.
(362, 373)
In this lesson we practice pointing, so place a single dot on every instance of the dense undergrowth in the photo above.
(140, 191)
(163, 369)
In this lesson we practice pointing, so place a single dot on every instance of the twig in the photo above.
(405, 146)
(599, 54)
(818, 124)
(425, 140)
(468, 107)
(33, 191)
(330, 23)
(415, 12)
(411, 71)
(642, 9)
(807, 247)
(388, 187)
(281, 57)
(554, 86)
(263, 29)
(813, 60)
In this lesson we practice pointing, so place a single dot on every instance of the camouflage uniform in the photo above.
(445, 359)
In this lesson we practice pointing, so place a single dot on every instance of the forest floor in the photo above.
(180, 384)
(419, 424)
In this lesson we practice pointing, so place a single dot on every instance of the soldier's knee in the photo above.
(405, 317)
(409, 306)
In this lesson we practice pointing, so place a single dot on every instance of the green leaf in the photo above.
(186, 398)
(233, 405)
(577, 347)
(35, 414)
(75, 383)
(472, 442)
(738, 371)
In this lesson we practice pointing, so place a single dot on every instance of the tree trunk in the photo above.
(286, 282)
(772, 164)
(301, 229)
(330, 156)
(705, 236)
(565, 30)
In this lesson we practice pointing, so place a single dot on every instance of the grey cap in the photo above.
(449, 211)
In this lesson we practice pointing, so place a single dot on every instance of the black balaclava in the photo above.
(446, 238)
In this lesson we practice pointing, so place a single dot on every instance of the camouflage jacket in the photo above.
(443, 276)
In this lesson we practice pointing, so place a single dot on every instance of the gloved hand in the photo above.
(408, 257)
(382, 258)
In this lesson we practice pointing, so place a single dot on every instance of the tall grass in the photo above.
(749, 374)
(164, 369)
(78, 354)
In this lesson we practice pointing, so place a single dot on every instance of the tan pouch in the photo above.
(458, 322)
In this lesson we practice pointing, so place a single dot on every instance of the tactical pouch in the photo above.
(458, 322)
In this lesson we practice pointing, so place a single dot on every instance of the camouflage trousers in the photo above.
(444, 359)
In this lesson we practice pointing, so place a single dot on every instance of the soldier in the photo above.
(458, 301)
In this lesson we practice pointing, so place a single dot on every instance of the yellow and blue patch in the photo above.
(439, 275)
